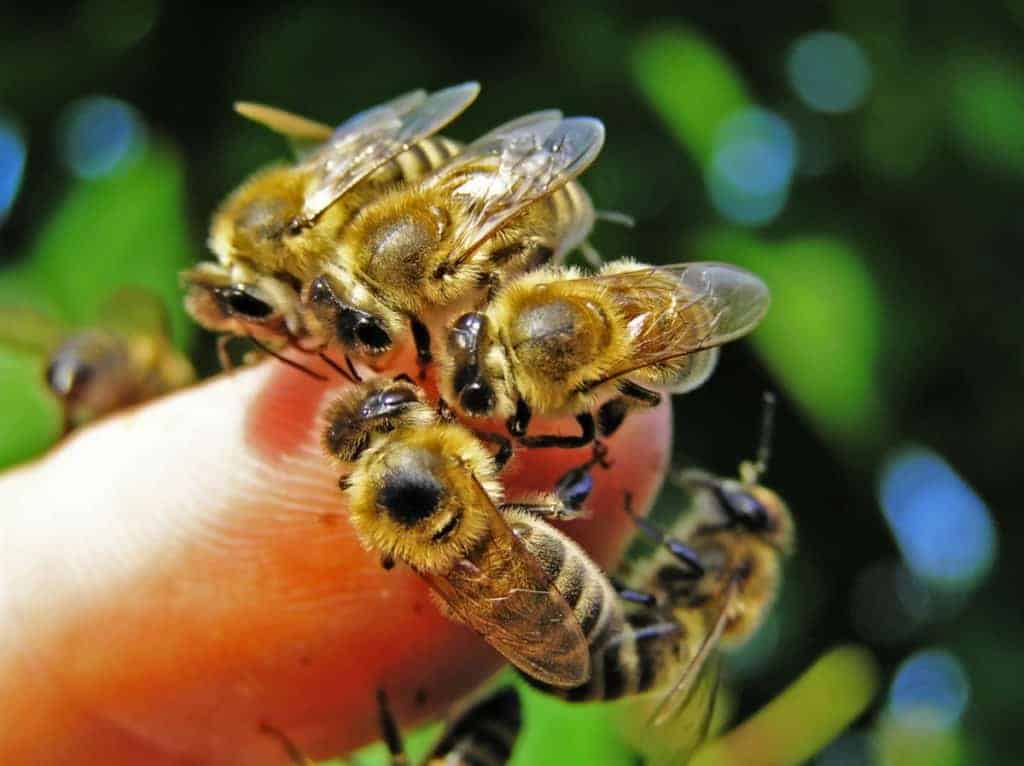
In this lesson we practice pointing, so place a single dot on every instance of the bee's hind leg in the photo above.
(631, 396)
(588, 431)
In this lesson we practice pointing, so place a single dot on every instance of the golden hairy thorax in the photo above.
(253, 223)
(559, 332)
(403, 242)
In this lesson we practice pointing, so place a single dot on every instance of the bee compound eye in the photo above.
(477, 397)
(370, 334)
(243, 303)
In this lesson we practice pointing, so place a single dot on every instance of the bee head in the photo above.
(414, 500)
(469, 382)
(756, 509)
(376, 407)
(369, 333)
(257, 308)
(91, 370)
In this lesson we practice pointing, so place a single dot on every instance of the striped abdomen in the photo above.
(424, 157)
(622, 661)
(483, 736)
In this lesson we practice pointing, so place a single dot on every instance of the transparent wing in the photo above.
(27, 329)
(678, 698)
(516, 164)
(363, 143)
(506, 597)
(135, 311)
(674, 311)
(303, 134)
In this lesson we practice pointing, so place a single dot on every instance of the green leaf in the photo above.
(822, 335)
(691, 85)
(128, 228)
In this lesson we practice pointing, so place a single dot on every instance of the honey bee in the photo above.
(272, 235)
(481, 733)
(717, 573)
(424, 491)
(124, 358)
(557, 342)
(505, 204)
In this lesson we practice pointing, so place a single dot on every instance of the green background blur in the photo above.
(865, 158)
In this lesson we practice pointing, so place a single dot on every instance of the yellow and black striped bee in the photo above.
(423, 490)
(716, 573)
(556, 342)
(123, 358)
(503, 205)
(275, 232)
(482, 733)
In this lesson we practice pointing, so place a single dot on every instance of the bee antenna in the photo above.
(290, 362)
(751, 472)
(388, 726)
(336, 367)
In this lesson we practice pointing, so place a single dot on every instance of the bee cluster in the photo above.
(383, 232)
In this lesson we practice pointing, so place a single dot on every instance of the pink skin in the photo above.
(174, 576)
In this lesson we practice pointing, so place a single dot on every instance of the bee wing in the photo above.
(674, 311)
(515, 165)
(363, 143)
(303, 134)
(683, 694)
(135, 311)
(27, 329)
(510, 602)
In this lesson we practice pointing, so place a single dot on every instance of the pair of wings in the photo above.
(129, 311)
(678, 310)
(525, 159)
(506, 597)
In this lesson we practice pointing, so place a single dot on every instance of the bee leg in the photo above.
(421, 337)
(611, 414)
(682, 552)
(519, 421)
(575, 485)
(389, 730)
(295, 755)
(588, 430)
(504, 453)
(406, 379)
(554, 511)
(633, 596)
(223, 356)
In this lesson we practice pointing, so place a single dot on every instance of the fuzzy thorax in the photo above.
(424, 496)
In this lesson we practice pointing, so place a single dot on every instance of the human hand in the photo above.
(174, 576)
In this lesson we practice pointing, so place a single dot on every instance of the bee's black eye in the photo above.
(409, 496)
(744, 508)
(477, 397)
(243, 303)
(370, 333)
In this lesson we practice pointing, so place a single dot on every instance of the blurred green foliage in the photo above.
(892, 251)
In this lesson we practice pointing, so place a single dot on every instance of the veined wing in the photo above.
(674, 311)
(503, 594)
(515, 165)
(366, 141)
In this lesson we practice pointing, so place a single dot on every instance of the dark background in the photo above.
(872, 175)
